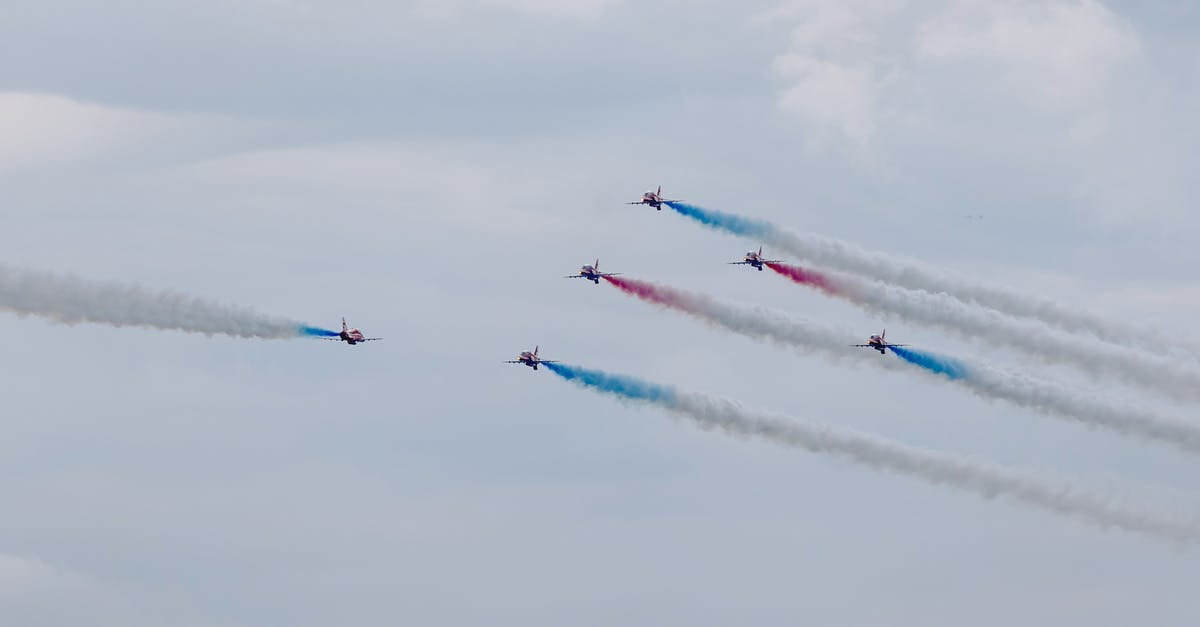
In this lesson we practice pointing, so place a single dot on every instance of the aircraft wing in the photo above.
(547, 361)
(863, 345)
(574, 276)
(513, 361)
(890, 344)
(370, 339)
(736, 263)
(332, 339)
(772, 261)
(640, 202)
(610, 274)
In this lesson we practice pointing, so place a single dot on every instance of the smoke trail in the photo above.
(1030, 336)
(914, 275)
(71, 300)
(807, 277)
(317, 332)
(758, 323)
(937, 364)
(986, 480)
(1040, 395)
(628, 388)
(738, 225)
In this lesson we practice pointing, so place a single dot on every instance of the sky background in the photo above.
(431, 169)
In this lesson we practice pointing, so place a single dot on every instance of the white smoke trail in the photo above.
(71, 300)
(911, 274)
(917, 276)
(987, 480)
(1128, 365)
(1040, 395)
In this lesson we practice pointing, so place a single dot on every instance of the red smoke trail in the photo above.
(810, 278)
(647, 291)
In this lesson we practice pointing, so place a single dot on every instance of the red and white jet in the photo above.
(879, 343)
(351, 336)
(754, 260)
(591, 273)
(530, 359)
(654, 199)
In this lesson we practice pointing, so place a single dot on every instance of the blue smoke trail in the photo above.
(951, 368)
(618, 385)
(738, 225)
(316, 332)
(986, 480)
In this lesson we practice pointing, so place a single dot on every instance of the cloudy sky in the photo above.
(430, 169)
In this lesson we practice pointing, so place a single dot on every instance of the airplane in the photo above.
(879, 343)
(755, 260)
(654, 199)
(351, 336)
(591, 273)
(530, 359)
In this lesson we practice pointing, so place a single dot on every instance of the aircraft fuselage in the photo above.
(652, 199)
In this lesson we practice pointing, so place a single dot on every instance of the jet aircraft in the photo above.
(530, 359)
(654, 199)
(754, 260)
(879, 343)
(591, 273)
(351, 336)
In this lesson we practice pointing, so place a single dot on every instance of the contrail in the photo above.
(71, 300)
(1040, 395)
(986, 480)
(1030, 336)
(907, 273)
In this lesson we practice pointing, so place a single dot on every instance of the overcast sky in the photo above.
(431, 169)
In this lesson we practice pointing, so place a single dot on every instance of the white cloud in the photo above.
(1060, 55)
(830, 95)
(44, 130)
(20, 576)
(850, 66)
(832, 71)
(1064, 94)
(36, 592)
(38, 129)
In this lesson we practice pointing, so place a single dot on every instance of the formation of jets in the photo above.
(591, 273)
(754, 260)
(879, 343)
(351, 336)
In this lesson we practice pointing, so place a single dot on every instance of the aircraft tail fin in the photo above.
(760, 250)
(344, 327)
(596, 266)
(659, 192)
(535, 350)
